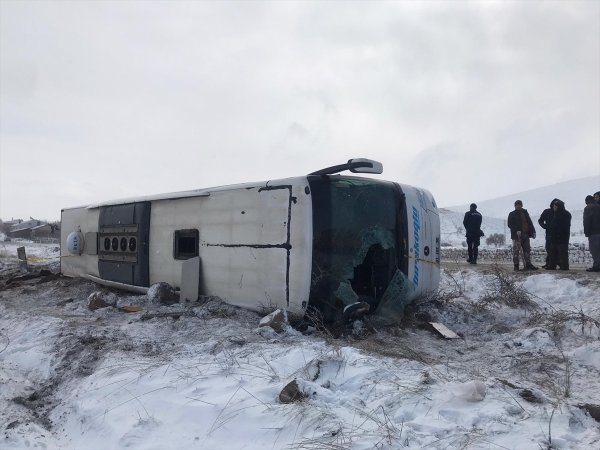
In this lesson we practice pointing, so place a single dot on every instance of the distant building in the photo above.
(12, 222)
(46, 230)
(24, 229)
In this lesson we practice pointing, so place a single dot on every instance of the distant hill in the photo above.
(496, 211)
(536, 200)
(453, 234)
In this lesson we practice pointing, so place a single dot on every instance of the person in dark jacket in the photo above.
(545, 220)
(521, 230)
(560, 232)
(591, 229)
(472, 223)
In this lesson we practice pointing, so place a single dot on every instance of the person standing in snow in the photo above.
(560, 231)
(591, 229)
(545, 220)
(472, 224)
(521, 230)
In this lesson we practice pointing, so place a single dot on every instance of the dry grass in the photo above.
(502, 288)
(557, 319)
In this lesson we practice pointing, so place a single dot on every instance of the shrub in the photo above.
(496, 239)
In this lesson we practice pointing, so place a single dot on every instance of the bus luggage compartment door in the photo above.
(123, 243)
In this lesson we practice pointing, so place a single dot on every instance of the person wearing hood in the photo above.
(545, 220)
(472, 223)
(521, 230)
(560, 232)
(591, 229)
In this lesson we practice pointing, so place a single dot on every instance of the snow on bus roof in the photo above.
(189, 194)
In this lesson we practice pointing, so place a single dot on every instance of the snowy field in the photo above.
(453, 233)
(495, 212)
(524, 374)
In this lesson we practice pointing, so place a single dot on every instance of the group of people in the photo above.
(556, 220)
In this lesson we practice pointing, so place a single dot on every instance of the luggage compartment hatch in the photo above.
(123, 238)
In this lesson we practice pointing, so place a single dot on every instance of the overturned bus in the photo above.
(323, 241)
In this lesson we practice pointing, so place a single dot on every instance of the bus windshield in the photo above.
(359, 245)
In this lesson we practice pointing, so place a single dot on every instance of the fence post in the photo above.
(22, 258)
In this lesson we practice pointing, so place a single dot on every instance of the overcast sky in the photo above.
(471, 100)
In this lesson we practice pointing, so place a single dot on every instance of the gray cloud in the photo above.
(108, 99)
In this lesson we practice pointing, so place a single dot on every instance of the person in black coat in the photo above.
(545, 220)
(521, 230)
(560, 232)
(472, 223)
(591, 229)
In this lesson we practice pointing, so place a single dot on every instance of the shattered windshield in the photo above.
(358, 241)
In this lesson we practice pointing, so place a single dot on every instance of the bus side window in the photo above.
(186, 243)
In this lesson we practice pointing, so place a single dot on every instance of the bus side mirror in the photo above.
(362, 165)
(356, 165)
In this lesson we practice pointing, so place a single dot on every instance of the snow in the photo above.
(495, 212)
(35, 252)
(74, 378)
(453, 234)
(571, 192)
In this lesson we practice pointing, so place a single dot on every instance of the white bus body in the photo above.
(320, 240)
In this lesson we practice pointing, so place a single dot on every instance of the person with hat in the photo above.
(472, 223)
(560, 232)
(545, 220)
(521, 230)
(591, 229)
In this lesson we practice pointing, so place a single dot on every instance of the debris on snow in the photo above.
(162, 293)
(99, 299)
(592, 410)
(530, 396)
(291, 393)
(172, 314)
(471, 391)
(45, 275)
(443, 331)
(277, 320)
(130, 309)
(356, 311)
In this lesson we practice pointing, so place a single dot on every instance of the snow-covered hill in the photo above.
(572, 192)
(495, 211)
(453, 233)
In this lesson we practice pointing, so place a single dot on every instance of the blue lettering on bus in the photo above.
(416, 246)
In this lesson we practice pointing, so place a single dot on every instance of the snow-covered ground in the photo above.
(205, 376)
(36, 252)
